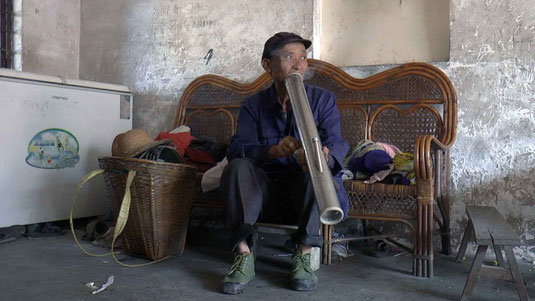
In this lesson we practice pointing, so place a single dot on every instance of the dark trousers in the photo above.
(251, 195)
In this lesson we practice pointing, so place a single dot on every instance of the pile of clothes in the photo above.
(202, 152)
(369, 161)
(379, 162)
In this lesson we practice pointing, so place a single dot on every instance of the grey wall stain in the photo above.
(491, 30)
(56, 50)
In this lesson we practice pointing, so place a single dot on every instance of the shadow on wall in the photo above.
(436, 48)
(104, 52)
(154, 113)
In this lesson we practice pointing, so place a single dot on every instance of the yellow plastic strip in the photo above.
(86, 178)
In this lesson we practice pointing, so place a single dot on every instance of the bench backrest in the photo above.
(394, 106)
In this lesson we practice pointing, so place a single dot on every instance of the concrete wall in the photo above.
(492, 67)
(157, 47)
(51, 37)
(363, 32)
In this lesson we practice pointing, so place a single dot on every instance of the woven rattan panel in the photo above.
(412, 87)
(235, 113)
(401, 128)
(214, 123)
(211, 95)
(353, 122)
(381, 199)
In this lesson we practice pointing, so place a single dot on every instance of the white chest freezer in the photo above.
(52, 132)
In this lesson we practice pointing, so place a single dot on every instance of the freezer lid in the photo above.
(95, 85)
(10, 73)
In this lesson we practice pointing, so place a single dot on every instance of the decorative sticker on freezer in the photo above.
(53, 149)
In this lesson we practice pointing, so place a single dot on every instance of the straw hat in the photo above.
(134, 142)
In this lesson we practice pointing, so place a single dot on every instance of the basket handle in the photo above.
(121, 219)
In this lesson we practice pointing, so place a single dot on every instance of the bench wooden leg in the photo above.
(498, 252)
(330, 249)
(445, 231)
(423, 247)
(467, 236)
(327, 245)
(446, 201)
(445, 237)
(474, 272)
(517, 277)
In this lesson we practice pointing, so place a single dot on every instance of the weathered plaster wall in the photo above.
(157, 47)
(51, 37)
(384, 31)
(492, 67)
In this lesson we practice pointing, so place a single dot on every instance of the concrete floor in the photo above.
(55, 269)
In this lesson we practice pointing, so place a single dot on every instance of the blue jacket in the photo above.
(262, 123)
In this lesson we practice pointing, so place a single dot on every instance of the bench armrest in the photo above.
(423, 166)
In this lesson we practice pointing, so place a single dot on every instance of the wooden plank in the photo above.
(279, 226)
(490, 228)
(496, 272)
(275, 228)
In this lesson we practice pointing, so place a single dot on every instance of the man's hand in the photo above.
(285, 148)
(302, 161)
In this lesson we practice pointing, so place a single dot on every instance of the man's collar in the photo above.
(274, 96)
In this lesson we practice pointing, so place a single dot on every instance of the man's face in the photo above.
(290, 58)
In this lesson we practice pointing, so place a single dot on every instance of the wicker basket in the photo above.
(161, 201)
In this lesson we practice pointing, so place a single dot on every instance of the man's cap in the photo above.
(280, 39)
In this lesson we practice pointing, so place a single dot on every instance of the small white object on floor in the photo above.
(91, 285)
(105, 285)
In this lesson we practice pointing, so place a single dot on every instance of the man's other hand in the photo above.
(285, 148)
(302, 161)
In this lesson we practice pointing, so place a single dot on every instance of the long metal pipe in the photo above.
(322, 179)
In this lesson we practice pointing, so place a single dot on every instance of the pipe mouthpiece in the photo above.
(331, 216)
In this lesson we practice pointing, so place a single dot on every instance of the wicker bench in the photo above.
(487, 227)
(412, 106)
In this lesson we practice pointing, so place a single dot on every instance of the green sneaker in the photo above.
(240, 274)
(303, 277)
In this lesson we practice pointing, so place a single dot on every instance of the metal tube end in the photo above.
(331, 215)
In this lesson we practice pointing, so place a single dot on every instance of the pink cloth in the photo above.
(380, 175)
(390, 149)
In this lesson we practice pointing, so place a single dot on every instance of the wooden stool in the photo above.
(487, 227)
